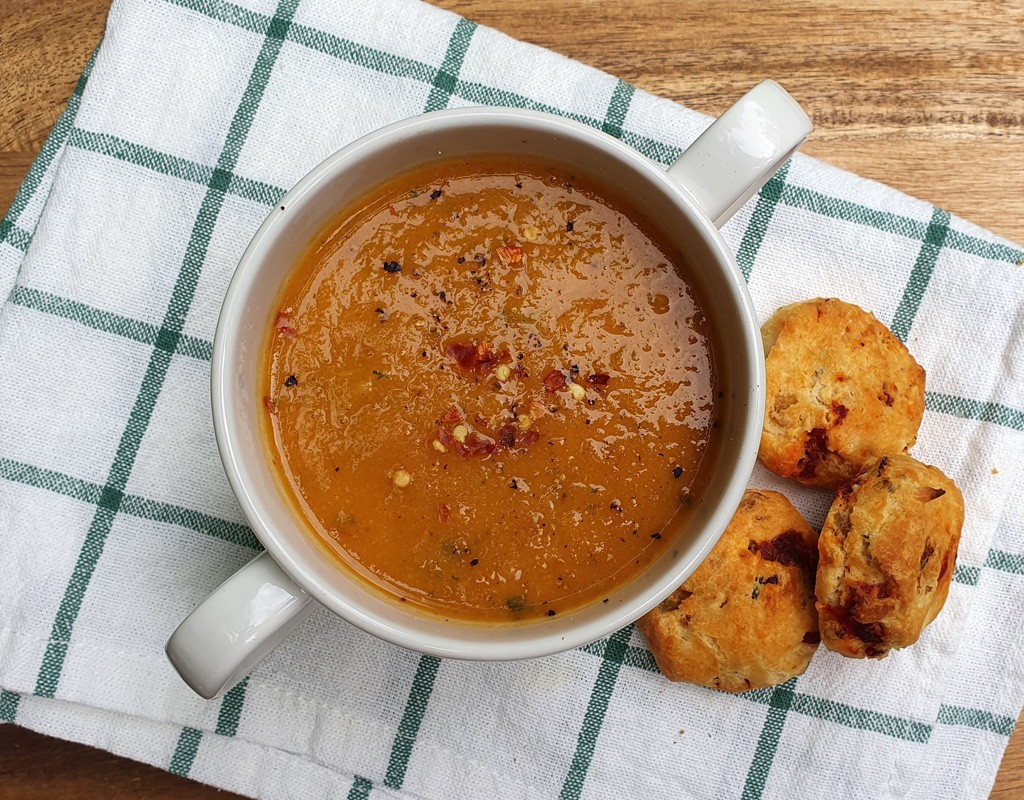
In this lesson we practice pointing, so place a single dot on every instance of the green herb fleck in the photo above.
(378, 374)
(515, 604)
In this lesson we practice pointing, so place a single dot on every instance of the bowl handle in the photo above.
(236, 626)
(741, 150)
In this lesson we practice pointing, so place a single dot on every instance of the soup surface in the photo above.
(490, 391)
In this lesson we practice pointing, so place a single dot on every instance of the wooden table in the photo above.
(924, 96)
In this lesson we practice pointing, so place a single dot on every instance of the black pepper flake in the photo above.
(291, 380)
(461, 260)
(519, 185)
(392, 266)
(677, 472)
(551, 612)
(435, 194)
(337, 468)
(656, 535)
(569, 226)
(575, 369)
(605, 600)
(443, 296)
(514, 484)
(474, 561)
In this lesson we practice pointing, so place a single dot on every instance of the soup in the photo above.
(490, 391)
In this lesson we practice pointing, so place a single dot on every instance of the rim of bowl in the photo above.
(544, 642)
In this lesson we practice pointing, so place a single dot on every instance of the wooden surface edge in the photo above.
(964, 155)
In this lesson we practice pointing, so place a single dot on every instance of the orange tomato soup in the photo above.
(490, 391)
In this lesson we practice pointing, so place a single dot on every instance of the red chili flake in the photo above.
(476, 444)
(510, 254)
(445, 438)
(269, 404)
(481, 421)
(598, 379)
(519, 373)
(811, 637)
(392, 210)
(453, 414)
(283, 325)
(554, 381)
(479, 358)
(444, 511)
(530, 437)
(839, 411)
(507, 436)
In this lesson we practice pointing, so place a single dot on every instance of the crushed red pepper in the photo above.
(478, 357)
(554, 381)
(284, 324)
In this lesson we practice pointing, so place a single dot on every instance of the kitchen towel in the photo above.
(192, 119)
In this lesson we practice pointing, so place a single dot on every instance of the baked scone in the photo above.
(886, 556)
(841, 391)
(745, 619)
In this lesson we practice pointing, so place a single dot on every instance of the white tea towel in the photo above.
(116, 520)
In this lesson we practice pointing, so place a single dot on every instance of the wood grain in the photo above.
(921, 95)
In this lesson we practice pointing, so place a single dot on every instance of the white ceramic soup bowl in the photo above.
(256, 608)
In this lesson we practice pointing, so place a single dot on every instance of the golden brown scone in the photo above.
(745, 619)
(841, 391)
(887, 554)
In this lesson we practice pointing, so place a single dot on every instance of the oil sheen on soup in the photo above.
(490, 391)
